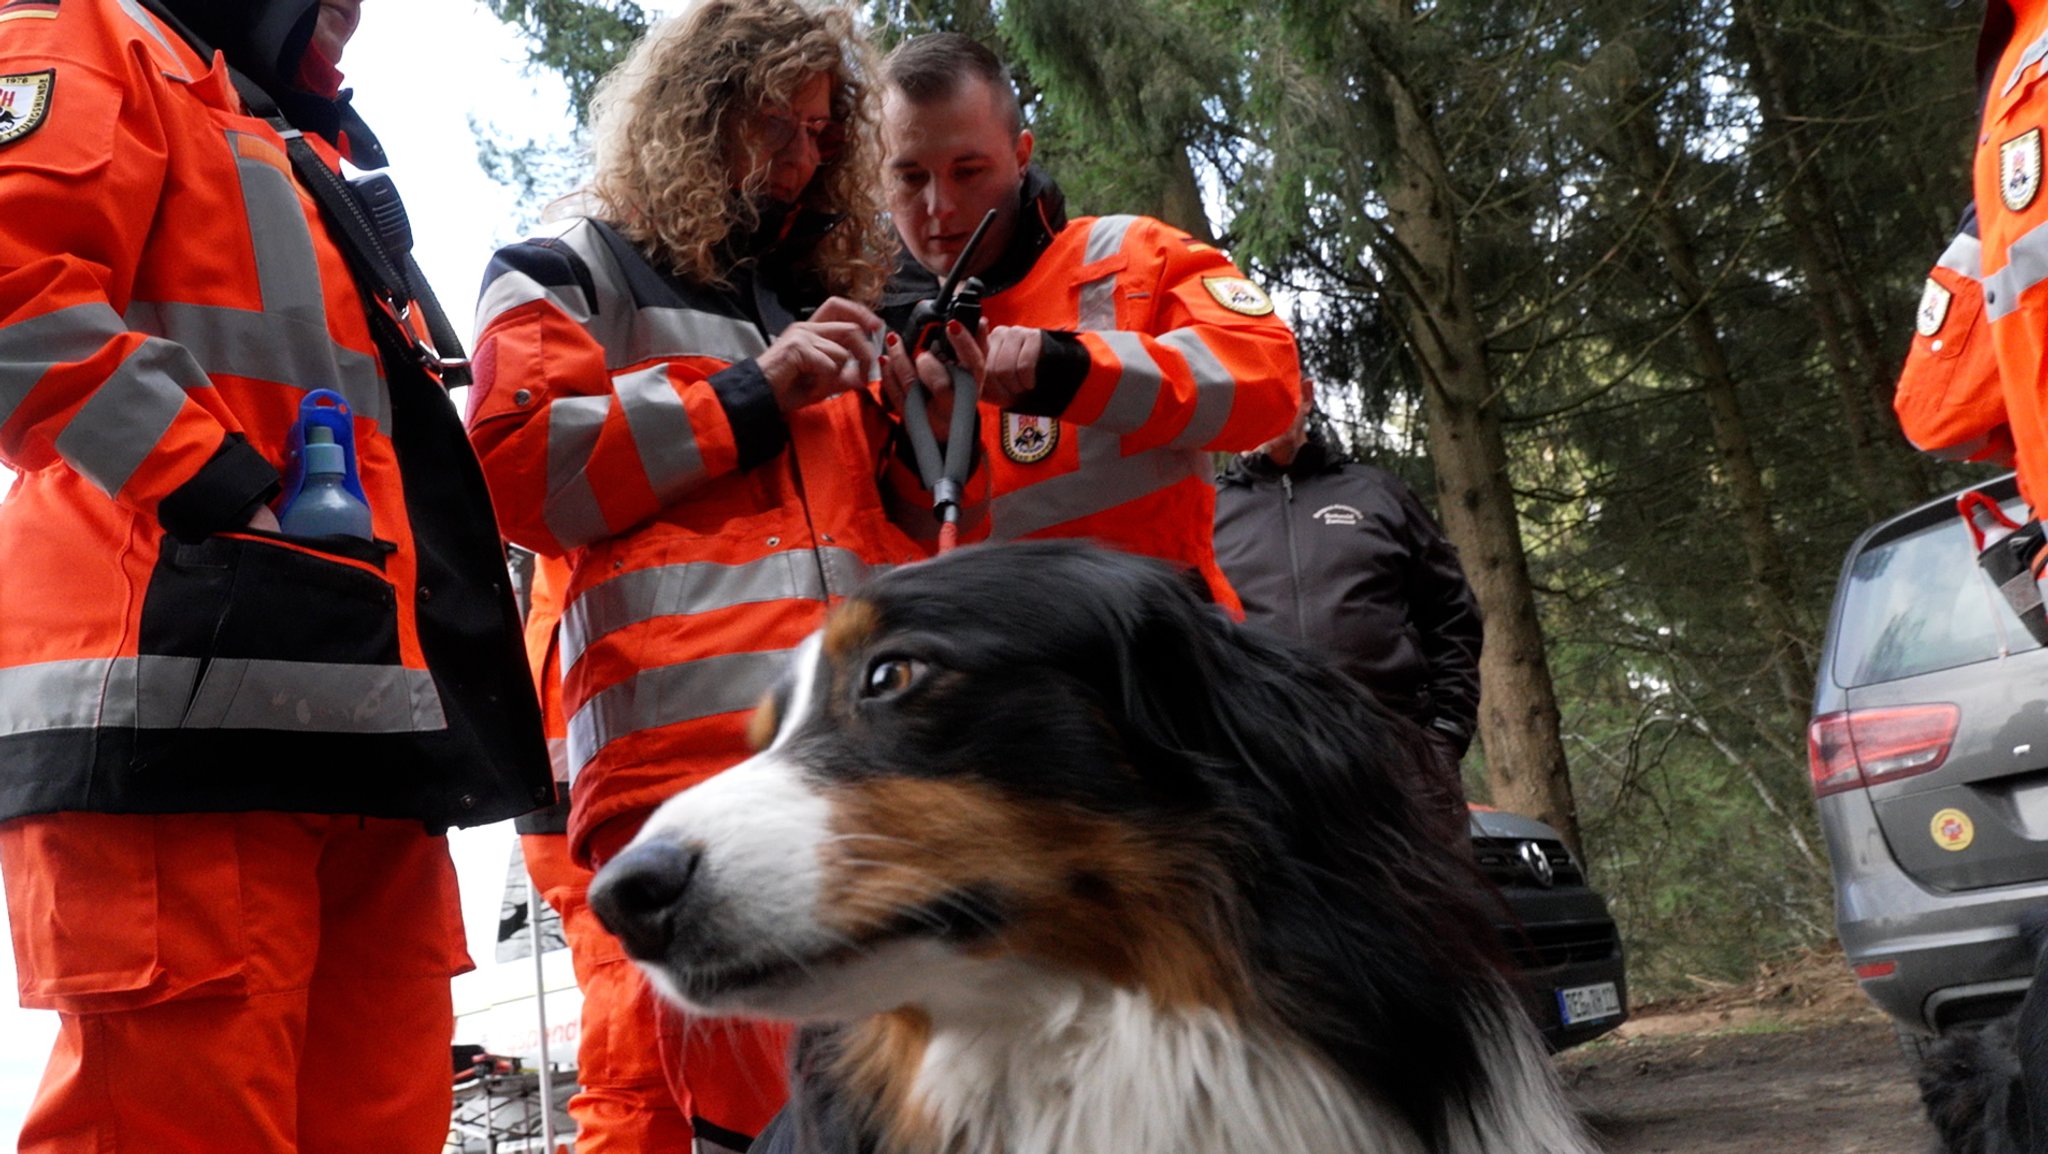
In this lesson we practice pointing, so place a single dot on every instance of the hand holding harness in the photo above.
(945, 473)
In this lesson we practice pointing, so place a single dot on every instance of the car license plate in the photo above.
(1588, 1003)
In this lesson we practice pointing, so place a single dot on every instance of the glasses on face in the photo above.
(777, 131)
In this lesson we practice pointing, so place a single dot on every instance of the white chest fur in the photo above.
(1086, 1068)
(1064, 1067)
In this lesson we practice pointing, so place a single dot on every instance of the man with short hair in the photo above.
(1120, 351)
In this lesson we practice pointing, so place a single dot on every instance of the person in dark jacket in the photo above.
(1343, 558)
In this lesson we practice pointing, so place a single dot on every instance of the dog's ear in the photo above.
(1306, 743)
(1365, 916)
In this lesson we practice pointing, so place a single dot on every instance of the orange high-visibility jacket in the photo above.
(623, 422)
(2012, 211)
(1948, 399)
(168, 296)
(1184, 357)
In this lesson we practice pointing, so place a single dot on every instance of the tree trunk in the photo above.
(1738, 473)
(1180, 201)
(1890, 474)
(1518, 714)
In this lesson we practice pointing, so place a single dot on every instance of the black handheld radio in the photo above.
(946, 476)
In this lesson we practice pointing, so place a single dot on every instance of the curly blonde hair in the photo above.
(667, 120)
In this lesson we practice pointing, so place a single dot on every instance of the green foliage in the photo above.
(579, 40)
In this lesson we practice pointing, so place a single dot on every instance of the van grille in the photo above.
(1501, 858)
(1541, 947)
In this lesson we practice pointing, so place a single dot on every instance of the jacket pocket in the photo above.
(253, 630)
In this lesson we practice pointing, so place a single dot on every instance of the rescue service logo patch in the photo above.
(1934, 301)
(2019, 170)
(1029, 440)
(1238, 295)
(24, 103)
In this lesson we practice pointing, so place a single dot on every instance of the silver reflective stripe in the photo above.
(700, 587)
(285, 350)
(558, 759)
(135, 13)
(63, 336)
(2028, 59)
(2026, 266)
(1106, 238)
(1104, 479)
(571, 508)
(1965, 254)
(689, 333)
(101, 692)
(1137, 388)
(170, 693)
(687, 691)
(1098, 304)
(846, 572)
(313, 697)
(509, 290)
(108, 438)
(629, 335)
(661, 432)
(286, 267)
(1215, 389)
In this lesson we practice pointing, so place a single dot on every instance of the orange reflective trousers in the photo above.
(657, 1074)
(263, 983)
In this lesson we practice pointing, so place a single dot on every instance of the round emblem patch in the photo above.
(1934, 302)
(2019, 170)
(1028, 440)
(1952, 830)
(1238, 295)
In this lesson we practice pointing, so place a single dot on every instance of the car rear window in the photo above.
(1918, 603)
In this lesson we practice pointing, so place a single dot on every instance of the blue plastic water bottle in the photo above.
(324, 506)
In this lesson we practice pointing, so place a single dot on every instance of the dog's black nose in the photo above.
(638, 896)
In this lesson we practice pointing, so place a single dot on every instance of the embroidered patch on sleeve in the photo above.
(1934, 302)
(2019, 169)
(24, 103)
(1238, 295)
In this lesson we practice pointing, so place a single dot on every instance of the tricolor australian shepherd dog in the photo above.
(1052, 858)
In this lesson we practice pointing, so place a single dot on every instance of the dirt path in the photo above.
(1815, 1089)
(1798, 1064)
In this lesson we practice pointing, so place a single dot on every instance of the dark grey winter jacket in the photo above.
(1343, 557)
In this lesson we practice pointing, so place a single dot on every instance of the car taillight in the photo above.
(1863, 747)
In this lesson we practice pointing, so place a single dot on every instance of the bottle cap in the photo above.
(323, 456)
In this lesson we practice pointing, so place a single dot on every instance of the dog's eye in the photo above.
(889, 676)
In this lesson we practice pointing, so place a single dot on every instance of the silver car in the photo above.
(1929, 758)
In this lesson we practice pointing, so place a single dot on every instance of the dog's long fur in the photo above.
(1975, 1084)
(1054, 858)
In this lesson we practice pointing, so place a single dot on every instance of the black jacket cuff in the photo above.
(758, 430)
(1459, 735)
(1063, 366)
(222, 495)
(552, 819)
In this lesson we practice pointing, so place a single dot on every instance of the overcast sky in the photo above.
(421, 70)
